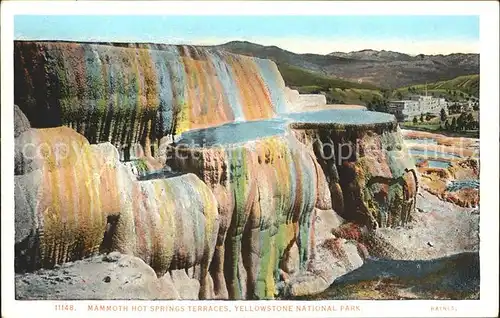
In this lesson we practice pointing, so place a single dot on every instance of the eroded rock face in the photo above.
(448, 166)
(266, 191)
(113, 276)
(128, 93)
(172, 225)
(370, 175)
(457, 183)
(248, 213)
(72, 206)
(334, 256)
(62, 198)
(21, 123)
(53, 148)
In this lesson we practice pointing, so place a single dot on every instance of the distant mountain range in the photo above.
(384, 69)
(374, 55)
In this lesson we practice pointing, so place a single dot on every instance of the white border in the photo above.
(487, 306)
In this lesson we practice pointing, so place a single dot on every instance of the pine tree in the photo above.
(460, 122)
(443, 115)
(453, 124)
(469, 117)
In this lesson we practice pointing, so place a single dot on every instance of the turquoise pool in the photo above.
(341, 116)
(232, 133)
(432, 153)
(424, 141)
(435, 163)
(463, 184)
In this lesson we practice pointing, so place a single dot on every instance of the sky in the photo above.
(300, 34)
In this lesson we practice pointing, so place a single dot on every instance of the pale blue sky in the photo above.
(313, 34)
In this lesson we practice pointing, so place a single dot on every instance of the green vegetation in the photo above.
(298, 77)
(442, 115)
(464, 124)
(456, 108)
(355, 96)
(459, 88)
(406, 70)
(337, 91)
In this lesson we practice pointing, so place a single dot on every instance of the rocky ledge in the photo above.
(371, 178)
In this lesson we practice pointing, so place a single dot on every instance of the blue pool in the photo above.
(238, 132)
(232, 133)
(341, 116)
(463, 184)
(434, 163)
(432, 153)
(424, 141)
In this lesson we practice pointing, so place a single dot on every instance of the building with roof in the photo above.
(415, 106)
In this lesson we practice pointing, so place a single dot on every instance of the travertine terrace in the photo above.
(200, 164)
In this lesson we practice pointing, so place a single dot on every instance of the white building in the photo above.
(467, 106)
(415, 106)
